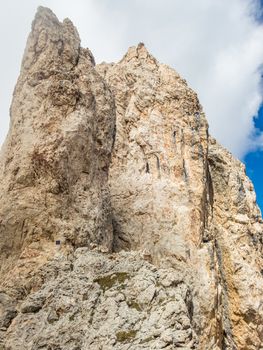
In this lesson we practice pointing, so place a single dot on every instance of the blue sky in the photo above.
(254, 160)
(254, 163)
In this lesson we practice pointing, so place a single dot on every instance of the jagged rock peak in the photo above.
(46, 16)
(58, 148)
(153, 243)
(139, 53)
(56, 43)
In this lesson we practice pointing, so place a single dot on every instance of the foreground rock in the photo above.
(95, 301)
(174, 261)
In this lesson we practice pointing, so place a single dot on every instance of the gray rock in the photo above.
(103, 308)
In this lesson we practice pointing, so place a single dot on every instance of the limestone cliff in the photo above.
(236, 232)
(54, 164)
(154, 244)
(184, 200)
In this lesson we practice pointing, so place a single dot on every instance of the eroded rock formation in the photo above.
(54, 164)
(170, 258)
(184, 200)
(236, 231)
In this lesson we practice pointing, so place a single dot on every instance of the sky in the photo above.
(216, 45)
(254, 163)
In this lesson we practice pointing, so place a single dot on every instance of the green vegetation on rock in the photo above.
(107, 282)
(134, 305)
(124, 336)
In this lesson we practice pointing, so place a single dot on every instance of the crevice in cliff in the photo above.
(147, 168)
(227, 341)
(158, 166)
(174, 137)
(185, 174)
(207, 206)
(120, 241)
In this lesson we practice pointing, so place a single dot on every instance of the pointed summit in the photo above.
(51, 43)
(58, 126)
(45, 14)
(139, 53)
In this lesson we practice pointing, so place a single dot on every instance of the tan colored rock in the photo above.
(237, 234)
(159, 159)
(54, 163)
(159, 177)
(185, 202)
(186, 272)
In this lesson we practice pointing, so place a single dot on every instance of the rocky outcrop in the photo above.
(186, 202)
(170, 258)
(236, 230)
(54, 164)
(96, 301)
(159, 176)
(161, 152)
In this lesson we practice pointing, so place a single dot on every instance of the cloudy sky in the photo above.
(217, 45)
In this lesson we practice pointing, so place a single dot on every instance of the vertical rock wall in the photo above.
(236, 229)
(159, 159)
(179, 205)
(54, 163)
(184, 201)
(161, 188)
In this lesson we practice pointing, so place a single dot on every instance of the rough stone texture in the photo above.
(160, 182)
(54, 164)
(161, 153)
(95, 301)
(184, 200)
(236, 229)
(186, 271)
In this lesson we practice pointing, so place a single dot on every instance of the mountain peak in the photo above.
(140, 54)
(45, 17)
(122, 223)
(51, 43)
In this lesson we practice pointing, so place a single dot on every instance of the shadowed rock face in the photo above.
(172, 255)
(54, 164)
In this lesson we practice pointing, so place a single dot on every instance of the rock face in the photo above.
(236, 230)
(159, 176)
(184, 200)
(170, 258)
(95, 302)
(161, 151)
(54, 164)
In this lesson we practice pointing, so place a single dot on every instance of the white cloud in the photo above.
(217, 45)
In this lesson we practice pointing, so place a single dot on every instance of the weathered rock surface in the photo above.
(159, 176)
(184, 200)
(97, 301)
(237, 231)
(161, 151)
(172, 258)
(54, 164)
